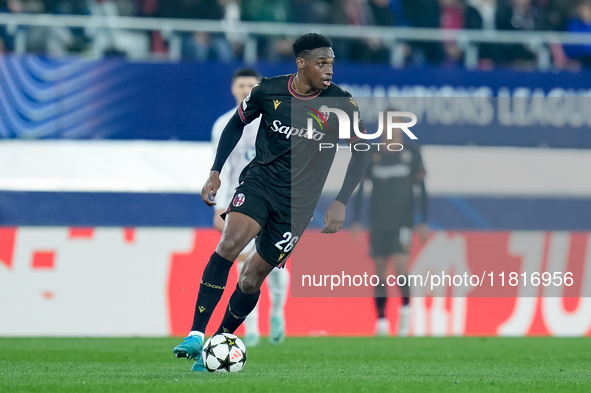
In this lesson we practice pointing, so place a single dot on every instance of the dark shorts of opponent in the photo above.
(281, 229)
(385, 242)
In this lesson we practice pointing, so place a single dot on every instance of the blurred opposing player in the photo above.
(394, 176)
(243, 81)
(280, 188)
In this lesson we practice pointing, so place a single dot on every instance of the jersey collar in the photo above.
(300, 96)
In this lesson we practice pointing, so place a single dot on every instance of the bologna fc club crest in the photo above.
(238, 200)
(324, 112)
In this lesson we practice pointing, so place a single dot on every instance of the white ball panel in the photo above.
(221, 351)
(236, 367)
(212, 363)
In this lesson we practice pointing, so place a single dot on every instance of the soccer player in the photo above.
(394, 176)
(279, 189)
(243, 80)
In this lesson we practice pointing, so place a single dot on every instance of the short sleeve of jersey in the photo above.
(252, 105)
(351, 108)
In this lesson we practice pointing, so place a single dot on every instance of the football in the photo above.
(224, 353)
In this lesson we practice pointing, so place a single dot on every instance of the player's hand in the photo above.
(210, 189)
(423, 231)
(334, 218)
(356, 230)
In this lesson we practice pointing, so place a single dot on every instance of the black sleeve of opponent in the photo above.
(355, 171)
(228, 141)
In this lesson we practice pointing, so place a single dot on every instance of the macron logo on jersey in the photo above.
(294, 131)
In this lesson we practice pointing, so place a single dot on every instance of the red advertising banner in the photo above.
(144, 281)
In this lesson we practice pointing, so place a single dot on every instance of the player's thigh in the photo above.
(247, 214)
(239, 230)
(253, 273)
(250, 247)
(246, 251)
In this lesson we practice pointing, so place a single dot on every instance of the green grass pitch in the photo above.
(322, 364)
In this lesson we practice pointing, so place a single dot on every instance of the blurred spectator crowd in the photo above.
(508, 15)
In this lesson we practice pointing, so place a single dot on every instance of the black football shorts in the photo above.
(281, 229)
(385, 242)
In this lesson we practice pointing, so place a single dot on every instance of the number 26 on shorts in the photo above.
(287, 243)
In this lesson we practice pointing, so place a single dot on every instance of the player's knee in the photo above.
(229, 247)
(250, 283)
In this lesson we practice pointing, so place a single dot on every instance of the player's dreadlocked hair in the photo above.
(309, 42)
(245, 72)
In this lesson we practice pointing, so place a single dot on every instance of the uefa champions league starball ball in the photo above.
(224, 353)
